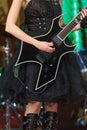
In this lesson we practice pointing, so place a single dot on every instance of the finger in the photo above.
(51, 44)
(51, 49)
(83, 13)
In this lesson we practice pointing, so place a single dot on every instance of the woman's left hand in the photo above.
(83, 13)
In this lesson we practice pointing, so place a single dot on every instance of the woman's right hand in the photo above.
(45, 46)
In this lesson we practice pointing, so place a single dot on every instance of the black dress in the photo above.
(68, 84)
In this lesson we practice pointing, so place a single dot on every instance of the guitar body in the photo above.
(48, 63)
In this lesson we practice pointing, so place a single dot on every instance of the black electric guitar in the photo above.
(48, 63)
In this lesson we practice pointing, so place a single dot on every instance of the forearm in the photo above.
(18, 33)
(11, 26)
(77, 27)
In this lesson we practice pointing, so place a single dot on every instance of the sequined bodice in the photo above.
(39, 15)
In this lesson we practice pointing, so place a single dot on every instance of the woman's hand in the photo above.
(83, 13)
(45, 46)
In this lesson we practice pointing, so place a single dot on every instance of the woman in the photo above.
(38, 18)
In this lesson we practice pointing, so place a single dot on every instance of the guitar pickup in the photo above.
(57, 40)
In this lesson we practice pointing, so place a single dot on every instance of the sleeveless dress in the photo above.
(19, 81)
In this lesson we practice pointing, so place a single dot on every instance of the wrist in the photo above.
(83, 23)
(35, 42)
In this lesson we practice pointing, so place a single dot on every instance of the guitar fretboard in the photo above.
(68, 28)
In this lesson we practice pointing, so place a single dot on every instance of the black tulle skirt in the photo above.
(19, 82)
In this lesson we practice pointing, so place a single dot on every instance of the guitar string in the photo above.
(67, 29)
(64, 33)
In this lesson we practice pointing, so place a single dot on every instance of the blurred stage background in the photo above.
(72, 116)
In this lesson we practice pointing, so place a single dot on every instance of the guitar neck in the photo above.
(68, 28)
